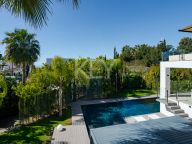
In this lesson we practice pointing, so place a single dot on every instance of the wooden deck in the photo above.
(74, 134)
(168, 130)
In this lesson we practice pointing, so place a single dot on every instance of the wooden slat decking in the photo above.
(74, 134)
(169, 130)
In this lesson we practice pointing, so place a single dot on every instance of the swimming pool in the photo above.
(106, 114)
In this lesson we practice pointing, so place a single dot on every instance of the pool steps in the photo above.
(175, 109)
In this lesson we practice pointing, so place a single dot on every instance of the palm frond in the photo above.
(74, 2)
(33, 11)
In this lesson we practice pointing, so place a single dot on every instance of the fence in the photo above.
(181, 87)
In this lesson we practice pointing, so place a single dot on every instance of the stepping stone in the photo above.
(140, 118)
(154, 116)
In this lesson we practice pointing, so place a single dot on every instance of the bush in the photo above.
(135, 81)
(152, 77)
(10, 102)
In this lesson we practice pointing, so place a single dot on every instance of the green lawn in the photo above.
(137, 93)
(36, 133)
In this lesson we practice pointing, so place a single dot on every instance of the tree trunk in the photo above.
(24, 73)
(60, 101)
(12, 69)
(27, 70)
(61, 96)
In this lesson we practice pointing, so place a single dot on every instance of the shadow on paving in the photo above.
(170, 136)
(168, 130)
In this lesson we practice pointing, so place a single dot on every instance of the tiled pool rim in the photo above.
(121, 112)
(77, 114)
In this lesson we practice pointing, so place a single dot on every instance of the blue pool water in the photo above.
(100, 115)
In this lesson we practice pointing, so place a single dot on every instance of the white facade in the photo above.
(165, 84)
(9, 67)
(174, 62)
(48, 60)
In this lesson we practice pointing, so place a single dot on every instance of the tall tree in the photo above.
(127, 54)
(115, 53)
(21, 49)
(34, 12)
(162, 46)
(62, 76)
(185, 45)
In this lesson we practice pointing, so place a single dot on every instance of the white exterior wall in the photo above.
(164, 81)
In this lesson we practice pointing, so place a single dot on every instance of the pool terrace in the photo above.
(157, 127)
(77, 132)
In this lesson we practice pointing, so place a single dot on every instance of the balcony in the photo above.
(167, 56)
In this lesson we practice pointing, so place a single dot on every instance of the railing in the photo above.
(181, 90)
(167, 96)
(176, 56)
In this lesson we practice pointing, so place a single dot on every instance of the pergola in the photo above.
(186, 29)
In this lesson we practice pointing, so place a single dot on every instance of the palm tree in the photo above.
(21, 49)
(61, 73)
(33, 11)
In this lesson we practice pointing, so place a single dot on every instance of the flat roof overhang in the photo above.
(186, 29)
(176, 64)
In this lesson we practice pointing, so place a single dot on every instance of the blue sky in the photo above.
(100, 25)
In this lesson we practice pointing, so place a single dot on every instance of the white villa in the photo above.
(178, 103)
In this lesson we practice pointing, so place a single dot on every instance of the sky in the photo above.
(100, 25)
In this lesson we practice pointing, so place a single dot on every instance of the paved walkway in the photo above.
(77, 132)
(2, 130)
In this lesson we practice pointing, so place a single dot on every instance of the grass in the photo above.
(137, 93)
(36, 133)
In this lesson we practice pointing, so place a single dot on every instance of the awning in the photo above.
(186, 29)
